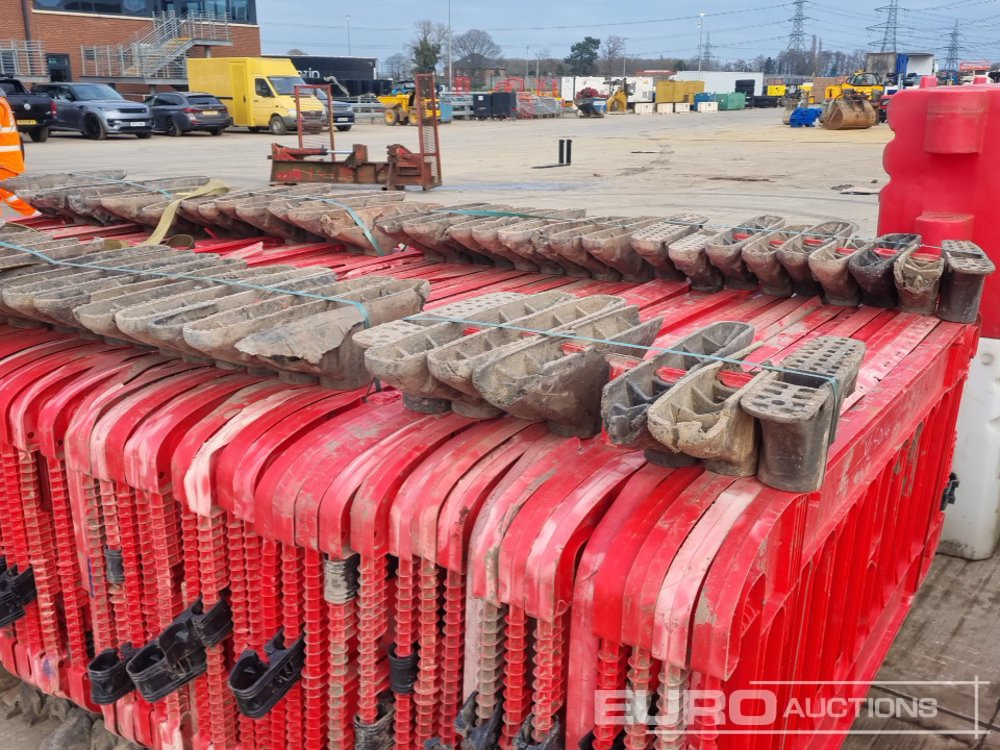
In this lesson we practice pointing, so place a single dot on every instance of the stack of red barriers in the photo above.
(222, 560)
(216, 559)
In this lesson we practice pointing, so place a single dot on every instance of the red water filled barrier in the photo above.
(942, 174)
(220, 554)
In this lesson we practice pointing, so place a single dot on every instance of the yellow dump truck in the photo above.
(258, 91)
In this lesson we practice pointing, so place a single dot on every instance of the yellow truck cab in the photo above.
(259, 91)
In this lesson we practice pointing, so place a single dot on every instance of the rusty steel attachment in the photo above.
(849, 113)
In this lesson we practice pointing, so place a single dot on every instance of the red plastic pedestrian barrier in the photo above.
(223, 560)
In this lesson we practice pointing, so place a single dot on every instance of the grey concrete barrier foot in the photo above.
(651, 242)
(700, 417)
(829, 265)
(918, 278)
(688, 256)
(872, 268)
(966, 269)
(626, 400)
(798, 407)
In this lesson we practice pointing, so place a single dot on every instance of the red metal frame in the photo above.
(300, 125)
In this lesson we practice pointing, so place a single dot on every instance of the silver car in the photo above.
(96, 110)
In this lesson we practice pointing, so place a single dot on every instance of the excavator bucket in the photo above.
(849, 114)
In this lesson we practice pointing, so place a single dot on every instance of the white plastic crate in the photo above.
(708, 106)
(664, 108)
(681, 107)
(644, 108)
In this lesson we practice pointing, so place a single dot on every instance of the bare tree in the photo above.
(397, 66)
(475, 42)
(544, 56)
(612, 52)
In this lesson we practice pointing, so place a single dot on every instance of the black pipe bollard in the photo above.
(565, 152)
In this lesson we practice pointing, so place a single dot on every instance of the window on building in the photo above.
(238, 11)
(8, 62)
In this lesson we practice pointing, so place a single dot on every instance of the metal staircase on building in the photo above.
(158, 55)
(23, 59)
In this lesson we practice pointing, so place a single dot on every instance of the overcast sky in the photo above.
(379, 28)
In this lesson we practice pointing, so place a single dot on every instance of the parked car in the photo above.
(96, 110)
(34, 113)
(177, 113)
(343, 113)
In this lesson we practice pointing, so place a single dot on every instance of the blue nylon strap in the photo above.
(191, 277)
(658, 349)
(350, 212)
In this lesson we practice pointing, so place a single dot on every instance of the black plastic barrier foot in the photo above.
(109, 679)
(259, 685)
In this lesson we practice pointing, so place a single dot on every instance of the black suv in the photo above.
(176, 113)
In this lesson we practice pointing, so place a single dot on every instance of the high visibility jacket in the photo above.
(11, 158)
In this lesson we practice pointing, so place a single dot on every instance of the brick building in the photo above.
(136, 45)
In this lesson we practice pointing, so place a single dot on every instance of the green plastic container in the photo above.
(733, 101)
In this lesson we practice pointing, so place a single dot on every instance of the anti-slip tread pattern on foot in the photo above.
(651, 242)
(798, 407)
